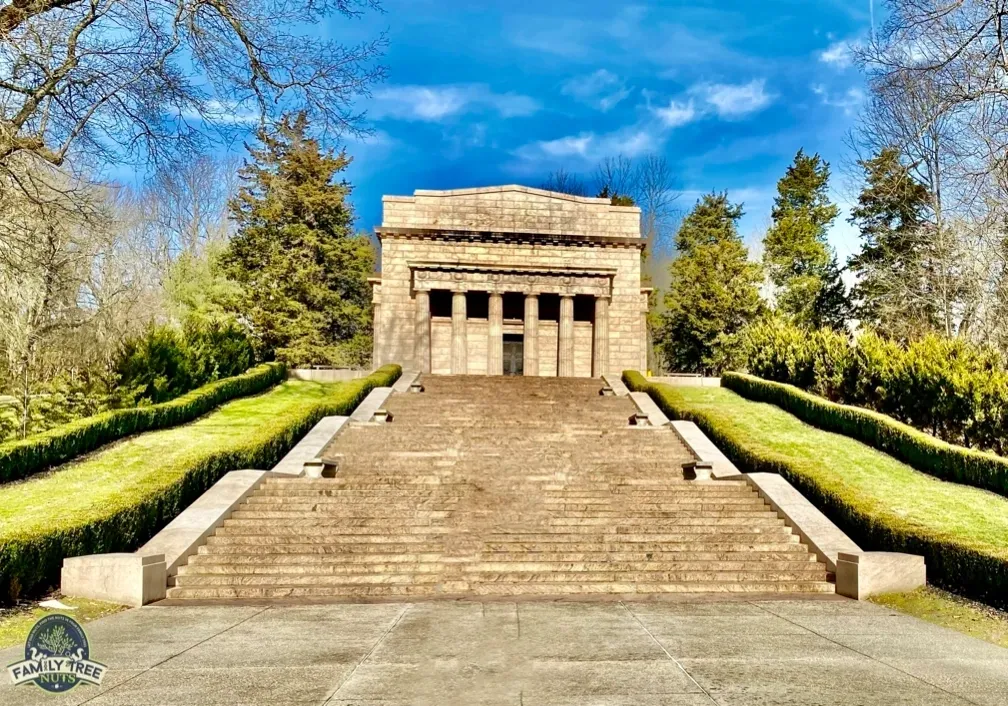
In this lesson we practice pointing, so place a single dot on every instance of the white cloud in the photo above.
(734, 100)
(847, 101)
(837, 54)
(602, 89)
(585, 149)
(224, 113)
(676, 113)
(437, 103)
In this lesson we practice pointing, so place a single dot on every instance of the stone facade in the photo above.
(509, 279)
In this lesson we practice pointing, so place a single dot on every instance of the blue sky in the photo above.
(489, 93)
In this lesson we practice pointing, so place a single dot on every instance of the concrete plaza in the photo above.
(689, 652)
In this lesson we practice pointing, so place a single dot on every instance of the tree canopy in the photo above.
(798, 258)
(714, 289)
(302, 269)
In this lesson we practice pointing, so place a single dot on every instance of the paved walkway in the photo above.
(578, 654)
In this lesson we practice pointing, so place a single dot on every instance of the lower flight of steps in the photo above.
(492, 487)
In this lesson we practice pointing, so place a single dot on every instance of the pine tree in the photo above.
(302, 270)
(714, 289)
(797, 256)
(892, 293)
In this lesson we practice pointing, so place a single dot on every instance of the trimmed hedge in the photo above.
(948, 387)
(30, 560)
(23, 458)
(952, 563)
(915, 448)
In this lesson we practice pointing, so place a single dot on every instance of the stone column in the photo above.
(565, 362)
(495, 341)
(458, 352)
(530, 348)
(422, 335)
(600, 348)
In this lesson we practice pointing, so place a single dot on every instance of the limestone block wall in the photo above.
(600, 240)
(512, 208)
(477, 341)
(549, 339)
(440, 346)
(583, 340)
(395, 327)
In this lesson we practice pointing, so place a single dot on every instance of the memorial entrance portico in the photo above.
(509, 280)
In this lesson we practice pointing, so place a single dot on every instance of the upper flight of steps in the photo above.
(491, 486)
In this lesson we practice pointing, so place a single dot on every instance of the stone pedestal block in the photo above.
(128, 579)
(865, 574)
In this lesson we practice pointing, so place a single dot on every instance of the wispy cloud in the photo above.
(438, 103)
(223, 113)
(676, 113)
(602, 89)
(734, 100)
(838, 54)
(585, 149)
(848, 101)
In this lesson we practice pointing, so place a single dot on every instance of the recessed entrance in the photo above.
(514, 352)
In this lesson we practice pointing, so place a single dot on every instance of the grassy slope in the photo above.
(118, 474)
(16, 623)
(950, 611)
(880, 484)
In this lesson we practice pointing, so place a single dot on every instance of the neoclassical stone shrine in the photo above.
(509, 280)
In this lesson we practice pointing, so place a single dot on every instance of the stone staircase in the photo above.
(490, 486)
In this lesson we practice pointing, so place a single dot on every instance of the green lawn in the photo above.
(116, 498)
(950, 611)
(17, 622)
(115, 476)
(881, 502)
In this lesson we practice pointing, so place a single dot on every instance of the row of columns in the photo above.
(495, 344)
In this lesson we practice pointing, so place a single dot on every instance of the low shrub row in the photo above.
(25, 457)
(949, 388)
(880, 503)
(166, 361)
(922, 451)
(32, 551)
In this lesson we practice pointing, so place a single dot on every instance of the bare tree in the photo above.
(46, 254)
(114, 80)
(564, 182)
(656, 195)
(616, 177)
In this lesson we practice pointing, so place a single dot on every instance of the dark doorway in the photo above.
(514, 354)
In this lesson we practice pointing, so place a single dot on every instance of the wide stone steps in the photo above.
(488, 487)
(514, 568)
(788, 554)
(463, 589)
(245, 546)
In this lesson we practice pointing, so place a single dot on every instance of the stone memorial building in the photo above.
(509, 280)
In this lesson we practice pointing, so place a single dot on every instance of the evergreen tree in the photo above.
(798, 258)
(714, 289)
(892, 293)
(302, 270)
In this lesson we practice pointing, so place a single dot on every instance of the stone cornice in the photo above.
(495, 236)
(462, 277)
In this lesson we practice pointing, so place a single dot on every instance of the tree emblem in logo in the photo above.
(56, 656)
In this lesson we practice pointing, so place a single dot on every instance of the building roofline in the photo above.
(513, 188)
